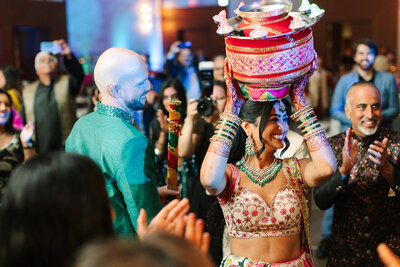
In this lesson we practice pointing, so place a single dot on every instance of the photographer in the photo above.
(198, 128)
(194, 140)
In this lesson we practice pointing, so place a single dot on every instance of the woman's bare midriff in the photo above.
(267, 249)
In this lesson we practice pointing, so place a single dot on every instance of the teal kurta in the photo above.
(126, 158)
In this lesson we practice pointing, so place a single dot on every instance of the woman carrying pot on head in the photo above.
(264, 199)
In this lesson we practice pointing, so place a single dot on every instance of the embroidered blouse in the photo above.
(247, 215)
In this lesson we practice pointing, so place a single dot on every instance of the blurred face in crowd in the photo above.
(45, 64)
(363, 108)
(2, 80)
(170, 94)
(218, 71)
(364, 57)
(185, 57)
(5, 109)
(219, 96)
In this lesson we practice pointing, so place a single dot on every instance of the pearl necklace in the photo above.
(260, 176)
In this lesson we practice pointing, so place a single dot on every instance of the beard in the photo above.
(368, 131)
(363, 67)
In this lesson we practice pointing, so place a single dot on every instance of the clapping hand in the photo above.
(26, 134)
(349, 153)
(163, 120)
(378, 153)
(173, 219)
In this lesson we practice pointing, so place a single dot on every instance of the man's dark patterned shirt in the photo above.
(365, 215)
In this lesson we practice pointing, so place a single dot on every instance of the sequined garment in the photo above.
(364, 215)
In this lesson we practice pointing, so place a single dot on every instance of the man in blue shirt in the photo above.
(364, 53)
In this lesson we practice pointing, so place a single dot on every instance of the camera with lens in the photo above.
(205, 106)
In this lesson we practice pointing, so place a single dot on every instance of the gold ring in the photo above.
(172, 224)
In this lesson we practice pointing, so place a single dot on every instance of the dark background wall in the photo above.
(368, 18)
(195, 25)
(344, 22)
(23, 25)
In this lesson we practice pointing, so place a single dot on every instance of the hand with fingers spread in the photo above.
(235, 98)
(349, 153)
(194, 233)
(172, 219)
(387, 256)
(169, 219)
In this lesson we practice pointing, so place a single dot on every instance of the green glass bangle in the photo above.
(232, 125)
(308, 125)
(307, 130)
(302, 120)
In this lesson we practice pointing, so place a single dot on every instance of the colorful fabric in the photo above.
(11, 155)
(126, 158)
(272, 61)
(365, 215)
(247, 215)
(259, 92)
(232, 260)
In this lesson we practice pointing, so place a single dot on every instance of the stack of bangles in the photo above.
(310, 128)
(224, 134)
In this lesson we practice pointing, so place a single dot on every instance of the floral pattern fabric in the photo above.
(247, 215)
(365, 215)
(232, 260)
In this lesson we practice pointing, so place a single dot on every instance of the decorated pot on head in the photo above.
(269, 47)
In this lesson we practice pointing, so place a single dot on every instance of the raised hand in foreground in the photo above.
(173, 219)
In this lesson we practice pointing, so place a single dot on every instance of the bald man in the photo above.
(366, 189)
(107, 136)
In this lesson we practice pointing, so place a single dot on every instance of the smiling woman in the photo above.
(14, 147)
(263, 198)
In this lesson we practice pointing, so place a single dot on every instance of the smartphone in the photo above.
(186, 44)
(50, 47)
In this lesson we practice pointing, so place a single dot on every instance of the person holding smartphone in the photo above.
(180, 65)
(49, 102)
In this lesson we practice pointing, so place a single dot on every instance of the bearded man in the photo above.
(365, 190)
(108, 137)
(364, 54)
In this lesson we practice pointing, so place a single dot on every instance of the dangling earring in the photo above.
(249, 146)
